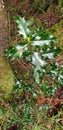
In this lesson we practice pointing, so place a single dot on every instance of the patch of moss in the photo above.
(57, 31)
(6, 77)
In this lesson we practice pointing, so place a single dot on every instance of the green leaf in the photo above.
(38, 64)
(41, 42)
(37, 61)
(40, 38)
(60, 76)
(23, 27)
(16, 51)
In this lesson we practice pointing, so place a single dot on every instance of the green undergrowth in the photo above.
(6, 77)
(26, 116)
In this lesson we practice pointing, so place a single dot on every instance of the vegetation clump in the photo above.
(37, 48)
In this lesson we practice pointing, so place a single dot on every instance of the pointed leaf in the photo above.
(16, 51)
(23, 27)
(38, 63)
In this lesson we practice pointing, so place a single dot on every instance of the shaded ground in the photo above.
(24, 8)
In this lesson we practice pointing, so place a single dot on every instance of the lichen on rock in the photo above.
(6, 77)
(57, 31)
(6, 74)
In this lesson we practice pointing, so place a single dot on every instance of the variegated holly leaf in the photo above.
(38, 63)
(23, 27)
(50, 52)
(16, 51)
(41, 38)
(60, 76)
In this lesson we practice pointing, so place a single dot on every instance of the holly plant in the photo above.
(37, 47)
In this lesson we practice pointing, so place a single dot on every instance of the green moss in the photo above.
(57, 31)
(6, 77)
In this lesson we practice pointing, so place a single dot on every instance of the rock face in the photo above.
(6, 74)
(3, 29)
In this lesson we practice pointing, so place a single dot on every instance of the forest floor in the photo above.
(52, 119)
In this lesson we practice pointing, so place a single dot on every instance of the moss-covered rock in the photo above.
(57, 31)
(6, 77)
